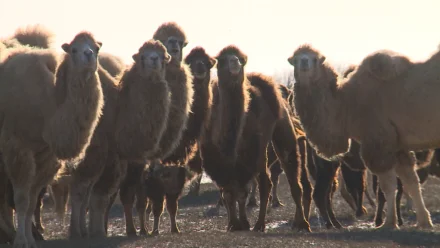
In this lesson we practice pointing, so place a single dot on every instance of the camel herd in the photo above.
(89, 128)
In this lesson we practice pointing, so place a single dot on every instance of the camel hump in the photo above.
(269, 91)
(34, 36)
(349, 70)
(386, 64)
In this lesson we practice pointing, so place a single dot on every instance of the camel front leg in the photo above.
(388, 182)
(157, 212)
(172, 207)
(410, 182)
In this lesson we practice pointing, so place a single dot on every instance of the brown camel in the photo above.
(248, 112)
(46, 117)
(329, 111)
(142, 92)
(200, 64)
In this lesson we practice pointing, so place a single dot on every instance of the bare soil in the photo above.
(198, 230)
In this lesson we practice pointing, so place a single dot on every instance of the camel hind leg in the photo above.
(410, 182)
(20, 167)
(286, 148)
(388, 183)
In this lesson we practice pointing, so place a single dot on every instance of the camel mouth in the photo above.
(200, 75)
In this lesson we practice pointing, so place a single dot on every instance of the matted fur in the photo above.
(168, 29)
(143, 111)
(111, 63)
(268, 87)
(200, 110)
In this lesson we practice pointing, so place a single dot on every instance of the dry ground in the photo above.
(197, 230)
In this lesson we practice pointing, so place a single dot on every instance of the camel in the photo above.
(200, 64)
(329, 112)
(180, 79)
(112, 64)
(47, 119)
(248, 112)
(141, 93)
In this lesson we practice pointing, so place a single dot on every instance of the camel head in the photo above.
(307, 63)
(171, 177)
(174, 39)
(152, 57)
(200, 62)
(230, 63)
(382, 65)
(83, 51)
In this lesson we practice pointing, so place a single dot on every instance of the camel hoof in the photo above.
(426, 225)
(212, 212)
(245, 225)
(303, 226)
(387, 227)
(277, 204)
(234, 226)
(260, 226)
(154, 233)
(143, 232)
(175, 230)
(131, 234)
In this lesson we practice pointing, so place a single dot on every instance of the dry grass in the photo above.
(201, 231)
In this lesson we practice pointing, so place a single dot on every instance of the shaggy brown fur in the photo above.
(137, 135)
(187, 152)
(380, 89)
(179, 78)
(144, 87)
(34, 36)
(86, 173)
(63, 111)
(349, 70)
(246, 115)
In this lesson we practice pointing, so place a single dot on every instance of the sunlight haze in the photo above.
(267, 31)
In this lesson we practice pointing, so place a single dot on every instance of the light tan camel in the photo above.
(45, 118)
(377, 106)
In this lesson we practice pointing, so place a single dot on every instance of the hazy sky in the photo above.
(267, 31)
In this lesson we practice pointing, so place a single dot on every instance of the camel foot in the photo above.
(260, 226)
(277, 204)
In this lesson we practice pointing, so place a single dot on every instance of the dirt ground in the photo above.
(197, 230)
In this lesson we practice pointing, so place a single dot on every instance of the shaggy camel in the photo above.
(378, 88)
(164, 176)
(179, 79)
(35, 36)
(142, 92)
(248, 112)
(63, 110)
(84, 175)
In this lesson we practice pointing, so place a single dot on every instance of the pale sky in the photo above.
(345, 31)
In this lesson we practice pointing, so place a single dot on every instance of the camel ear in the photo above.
(184, 44)
(291, 61)
(99, 44)
(322, 59)
(135, 57)
(65, 47)
(212, 62)
(244, 60)
(167, 58)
